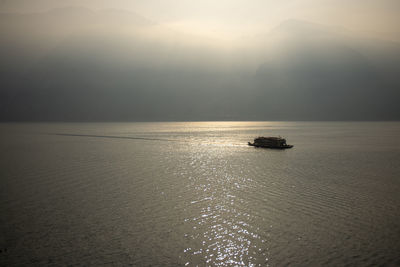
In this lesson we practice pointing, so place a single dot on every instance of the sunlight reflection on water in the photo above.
(222, 230)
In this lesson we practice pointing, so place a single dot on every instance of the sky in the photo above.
(176, 60)
(232, 18)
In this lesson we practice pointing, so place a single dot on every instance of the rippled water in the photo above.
(149, 194)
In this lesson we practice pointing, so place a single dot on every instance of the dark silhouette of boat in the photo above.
(270, 142)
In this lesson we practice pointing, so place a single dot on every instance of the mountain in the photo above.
(328, 73)
(76, 64)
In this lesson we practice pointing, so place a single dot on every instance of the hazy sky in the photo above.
(233, 18)
(123, 60)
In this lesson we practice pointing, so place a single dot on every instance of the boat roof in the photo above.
(269, 138)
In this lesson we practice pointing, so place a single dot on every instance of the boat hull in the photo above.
(269, 146)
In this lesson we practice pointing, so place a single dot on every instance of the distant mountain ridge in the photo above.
(78, 64)
(324, 66)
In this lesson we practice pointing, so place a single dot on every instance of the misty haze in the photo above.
(78, 64)
(129, 133)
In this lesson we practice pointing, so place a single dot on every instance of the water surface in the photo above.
(149, 194)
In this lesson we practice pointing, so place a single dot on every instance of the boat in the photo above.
(270, 142)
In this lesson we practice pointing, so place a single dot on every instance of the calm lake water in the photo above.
(176, 194)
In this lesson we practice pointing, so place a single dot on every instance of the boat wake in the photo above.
(117, 137)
